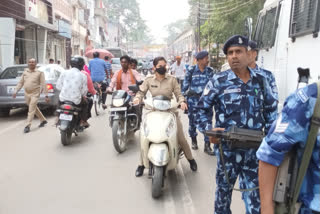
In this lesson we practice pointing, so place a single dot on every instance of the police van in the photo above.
(287, 33)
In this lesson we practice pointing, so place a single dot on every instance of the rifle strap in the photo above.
(314, 128)
(226, 173)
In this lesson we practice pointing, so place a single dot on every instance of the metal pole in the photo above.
(199, 40)
(209, 30)
(36, 29)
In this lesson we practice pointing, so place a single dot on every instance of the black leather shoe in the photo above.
(193, 165)
(43, 123)
(208, 150)
(26, 129)
(194, 143)
(139, 171)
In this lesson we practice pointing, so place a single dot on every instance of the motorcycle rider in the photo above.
(91, 91)
(162, 84)
(133, 64)
(98, 69)
(73, 87)
(125, 76)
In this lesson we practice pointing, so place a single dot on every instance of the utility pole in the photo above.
(199, 39)
(209, 33)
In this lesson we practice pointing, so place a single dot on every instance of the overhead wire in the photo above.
(226, 12)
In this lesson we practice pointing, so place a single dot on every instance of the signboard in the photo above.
(64, 29)
(33, 8)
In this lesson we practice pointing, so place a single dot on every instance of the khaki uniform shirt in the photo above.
(32, 82)
(167, 87)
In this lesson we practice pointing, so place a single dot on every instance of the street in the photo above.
(40, 176)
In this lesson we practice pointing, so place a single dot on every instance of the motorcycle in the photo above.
(69, 121)
(158, 140)
(123, 119)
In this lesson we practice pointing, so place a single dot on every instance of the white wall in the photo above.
(7, 39)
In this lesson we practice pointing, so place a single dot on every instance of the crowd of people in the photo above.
(244, 96)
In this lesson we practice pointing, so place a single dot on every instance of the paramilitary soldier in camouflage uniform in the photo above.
(269, 81)
(238, 99)
(291, 131)
(194, 83)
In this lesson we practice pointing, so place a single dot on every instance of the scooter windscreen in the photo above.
(161, 103)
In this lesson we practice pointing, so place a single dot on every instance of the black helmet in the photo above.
(77, 62)
(96, 55)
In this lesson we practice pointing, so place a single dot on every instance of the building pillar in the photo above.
(7, 41)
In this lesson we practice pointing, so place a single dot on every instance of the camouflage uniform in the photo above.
(245, 106)
(270, 83)
(196, 81)
(291, 131)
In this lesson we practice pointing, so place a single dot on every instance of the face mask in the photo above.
(161, 70)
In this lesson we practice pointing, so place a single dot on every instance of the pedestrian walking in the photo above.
(178, 70)
(33, 82)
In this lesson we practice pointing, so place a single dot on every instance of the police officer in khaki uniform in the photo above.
(166, 85)
(34, 83)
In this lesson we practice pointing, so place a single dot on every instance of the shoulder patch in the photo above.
(281, 127)
(302, 95)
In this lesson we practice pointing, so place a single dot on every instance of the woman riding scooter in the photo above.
(162, 84)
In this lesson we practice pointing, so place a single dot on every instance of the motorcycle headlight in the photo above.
(118, 102)
(170, 128)
(162, 105)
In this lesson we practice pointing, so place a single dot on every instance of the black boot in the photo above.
(207, 149)
(139, 171)
(193, 165)
(194, 143)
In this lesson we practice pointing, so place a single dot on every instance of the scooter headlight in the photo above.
(170, 128)
(118, 102)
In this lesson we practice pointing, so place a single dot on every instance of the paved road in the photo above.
(40, 176)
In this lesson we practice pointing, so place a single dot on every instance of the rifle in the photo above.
(239, 137)
(285, 182)
(191, 93)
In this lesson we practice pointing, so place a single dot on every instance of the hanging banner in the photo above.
(33, 8)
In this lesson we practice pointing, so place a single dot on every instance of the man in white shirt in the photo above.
(73, 87)
(178, 69)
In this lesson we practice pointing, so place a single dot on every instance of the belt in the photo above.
(315, 212)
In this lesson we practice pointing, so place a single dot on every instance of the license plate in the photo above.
(65, 117)
(10, 90)
(118, 109)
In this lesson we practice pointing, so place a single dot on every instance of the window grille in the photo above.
(266, 28)
(304, 17)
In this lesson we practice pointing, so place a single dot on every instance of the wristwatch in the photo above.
(46, 96)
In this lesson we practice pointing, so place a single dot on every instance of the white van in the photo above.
(287, 33)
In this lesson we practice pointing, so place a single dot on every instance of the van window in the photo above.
(266, 27)
(304, 17)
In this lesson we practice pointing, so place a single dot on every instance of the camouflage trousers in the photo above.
(193, 118)
(242, 163)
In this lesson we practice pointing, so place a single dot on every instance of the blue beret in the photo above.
(202, 54)
(253, 45)
(236, 40)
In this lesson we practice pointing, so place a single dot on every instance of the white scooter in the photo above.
(158, 140)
